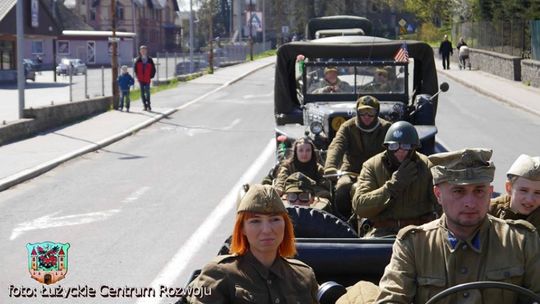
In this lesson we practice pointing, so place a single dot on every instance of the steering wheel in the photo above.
(484, 285)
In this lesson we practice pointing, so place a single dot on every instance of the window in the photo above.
(119, 11)
(37, 46)
(63, 47)
(93, 14)
(7, 56)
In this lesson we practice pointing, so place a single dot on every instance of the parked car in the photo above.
(67, 64)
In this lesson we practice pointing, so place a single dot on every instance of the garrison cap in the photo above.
(463, 167)
(299, 182)
(261, 199)
(526, 166)
(367, 102)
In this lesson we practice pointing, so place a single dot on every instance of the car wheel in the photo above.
(314, 223)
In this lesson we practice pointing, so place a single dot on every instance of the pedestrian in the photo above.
(145, 70)
(445, 50)
(357, 140)
(463, 53)
(522, 198)
(465, 244)
(125, 81)
(258, 270)
(394, 188)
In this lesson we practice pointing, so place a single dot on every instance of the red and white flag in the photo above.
(402, 54)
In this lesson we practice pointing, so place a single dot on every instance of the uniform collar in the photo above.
(277, 268)
(474, 242)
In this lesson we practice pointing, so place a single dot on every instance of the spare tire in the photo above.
(315, 223)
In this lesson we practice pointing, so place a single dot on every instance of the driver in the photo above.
(465, 244)
(331, 83)
(381, 82)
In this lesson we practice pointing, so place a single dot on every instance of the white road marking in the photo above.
(250, 96)
(49, 221)
(181, 259)
(135, 195)
(233, 123)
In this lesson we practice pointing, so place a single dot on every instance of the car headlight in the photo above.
(336, 122)
(316, 127)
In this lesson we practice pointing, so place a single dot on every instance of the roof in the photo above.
(5, 7)
(68, 20)
(285, 95)
(337, 22)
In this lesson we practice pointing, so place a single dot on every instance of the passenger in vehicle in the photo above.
(394, 188)
(522, 198)
(258, 269)
(357, 140)
(303, 159)
(300, 190)
(380, 84)
(465, 244)
(331, 83)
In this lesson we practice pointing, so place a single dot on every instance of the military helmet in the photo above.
(402, 132)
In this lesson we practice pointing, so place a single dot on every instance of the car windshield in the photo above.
(359, 78)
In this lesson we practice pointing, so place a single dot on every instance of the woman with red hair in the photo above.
(258, 270)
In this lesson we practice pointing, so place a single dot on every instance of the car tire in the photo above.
(315, 223)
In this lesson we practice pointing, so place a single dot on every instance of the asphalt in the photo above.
(29, 158)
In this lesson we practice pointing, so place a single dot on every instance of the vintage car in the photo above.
(410, 93)
(329, 26)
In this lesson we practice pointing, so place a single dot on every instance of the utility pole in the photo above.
(191, 36)
(250, 30)
(210, 39)
(114, 59)
(21, 81)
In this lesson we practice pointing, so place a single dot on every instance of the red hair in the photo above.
(240, 244)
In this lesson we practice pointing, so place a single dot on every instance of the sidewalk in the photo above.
(29, 158)
(511, 92)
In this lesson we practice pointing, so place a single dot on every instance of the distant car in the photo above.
(183, 67)
(66, 64)
(29, 71)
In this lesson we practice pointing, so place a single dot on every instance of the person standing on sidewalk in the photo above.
(125, 81)
(145, 70)
(445, 50)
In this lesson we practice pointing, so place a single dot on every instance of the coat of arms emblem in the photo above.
(47, 261)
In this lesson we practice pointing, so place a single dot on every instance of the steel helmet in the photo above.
(402, 132)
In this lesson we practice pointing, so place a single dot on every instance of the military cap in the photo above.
(463, 167)
(367, 102)
(261, 199)
(299, 182)
(526, 166)
(330, 69)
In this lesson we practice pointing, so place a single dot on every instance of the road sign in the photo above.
(114, 39)
(402, 22)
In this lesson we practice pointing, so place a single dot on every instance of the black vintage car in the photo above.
(411, 93)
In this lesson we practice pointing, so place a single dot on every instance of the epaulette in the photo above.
(297, 262)
(403, 232)
(522, 224)
(222, 258)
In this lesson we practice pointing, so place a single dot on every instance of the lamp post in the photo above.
(20, 53)
(191, 36)
(250, 31)
(114, 59)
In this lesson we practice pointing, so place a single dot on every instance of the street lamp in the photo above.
(114, 59)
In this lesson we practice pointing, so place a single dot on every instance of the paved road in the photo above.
(159, 204)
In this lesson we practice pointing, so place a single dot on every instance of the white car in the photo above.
(67, 64)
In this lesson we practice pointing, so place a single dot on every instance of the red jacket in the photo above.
(144, 73)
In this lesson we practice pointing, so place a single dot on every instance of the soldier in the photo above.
(465, 244)
(522, 197)
(300, 190)
(394, 188)
(331, 83)
(257, 271)
(356, 141)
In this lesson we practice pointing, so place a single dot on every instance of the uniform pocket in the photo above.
(428, 287)
(509, 274)
(245, 296)
(513, 275)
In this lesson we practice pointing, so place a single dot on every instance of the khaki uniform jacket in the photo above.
(425, 261)
(343, 87)
(373, 200)
(321, 189)
(352, 147)
(243, 279)
(500, 207)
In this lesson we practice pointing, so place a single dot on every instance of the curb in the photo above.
(490, 94)
(30, 173)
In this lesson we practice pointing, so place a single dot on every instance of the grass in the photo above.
(135, 95)
(263, 54)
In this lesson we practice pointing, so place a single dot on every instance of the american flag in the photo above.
(402, 54)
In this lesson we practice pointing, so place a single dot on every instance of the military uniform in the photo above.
(500, 207)
(389, 211)
(243, 279)
(321, 189)
(324, 85)
(298, 182)
(428, 259)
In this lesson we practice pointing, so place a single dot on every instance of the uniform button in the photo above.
(463, 270)
(276, 301)
(269, 281)
(465, 294)
(464, 247)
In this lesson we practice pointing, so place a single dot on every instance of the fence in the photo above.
(507, 37)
